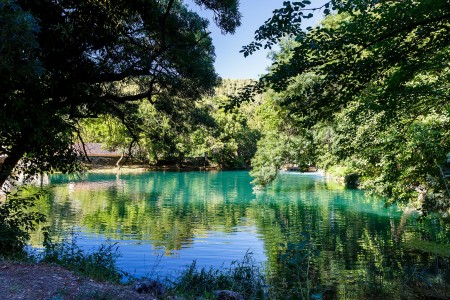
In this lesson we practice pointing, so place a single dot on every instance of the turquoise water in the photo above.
(162, 221)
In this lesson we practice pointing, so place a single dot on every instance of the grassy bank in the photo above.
(296, 277)
(296, 270)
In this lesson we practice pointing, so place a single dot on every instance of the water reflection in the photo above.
(171, 218)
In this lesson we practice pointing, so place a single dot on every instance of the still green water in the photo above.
(162, 221)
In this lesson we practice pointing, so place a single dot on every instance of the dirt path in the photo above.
(36, 281)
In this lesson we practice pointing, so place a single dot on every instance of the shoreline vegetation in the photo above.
(138, 77)
(65, 271)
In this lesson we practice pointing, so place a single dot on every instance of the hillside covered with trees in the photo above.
(172, 130)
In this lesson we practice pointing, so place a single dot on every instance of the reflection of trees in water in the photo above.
(355, 237)
(352, 232)
(172, 210)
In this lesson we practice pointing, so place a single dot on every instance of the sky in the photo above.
(229, 62)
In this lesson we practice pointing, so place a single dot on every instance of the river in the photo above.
(162, 221)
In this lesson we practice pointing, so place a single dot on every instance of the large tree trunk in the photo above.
(10, 162)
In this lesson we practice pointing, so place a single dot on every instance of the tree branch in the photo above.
(83, 145)
(407, 28)
(124, 99)
(163, 22)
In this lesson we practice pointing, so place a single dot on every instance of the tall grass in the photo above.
(99, 264)
(244, 277)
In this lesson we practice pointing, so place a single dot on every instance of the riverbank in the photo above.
(108, 166)
(66, 271)
(31, 280)
(376, 235)
(42, 282)
(36, 281)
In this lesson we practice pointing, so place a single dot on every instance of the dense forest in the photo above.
(365, 94)
(184, 129)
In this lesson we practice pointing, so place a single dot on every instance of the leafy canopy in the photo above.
(62, 61)
(371, 84)
(173, 129)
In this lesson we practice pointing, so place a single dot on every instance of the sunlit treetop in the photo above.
(86, 58)
(358, 43)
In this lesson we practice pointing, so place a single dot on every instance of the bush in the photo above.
(17, 219)
(99, 264)
(243, 277)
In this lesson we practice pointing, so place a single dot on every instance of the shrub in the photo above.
(243, 277)
(17, 219)
(99, 264)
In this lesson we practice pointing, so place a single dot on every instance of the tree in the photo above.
(173, 128)
(66, 60)
(284, 141)
(381, 89)
(363, 44)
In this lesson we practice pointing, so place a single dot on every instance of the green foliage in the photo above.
(226, 13)
(356, 47)
(283, 142)
(106, 129)
(276, 150)
(99, 264)
(18, 43)
(171, 129)
(244, 277)
(370, 85)
(232, 143)
(64, 61)
(25, 127)
(402, 161)
(18, 218)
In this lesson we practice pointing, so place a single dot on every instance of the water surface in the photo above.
(162, 221)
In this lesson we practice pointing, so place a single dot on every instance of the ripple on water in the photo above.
(162, 221)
